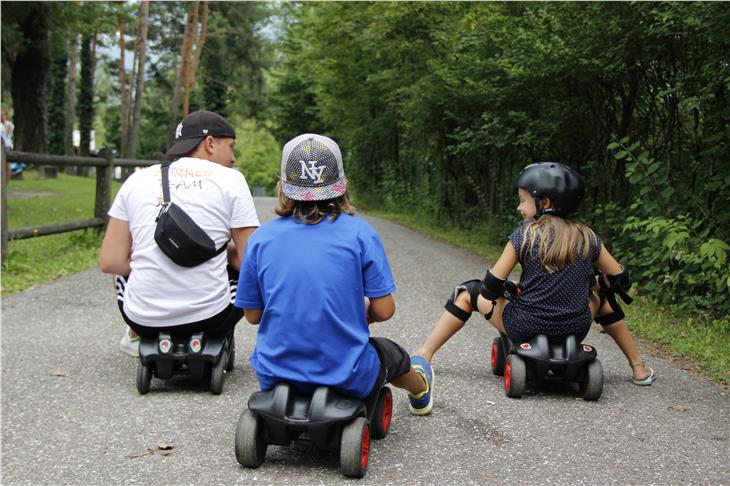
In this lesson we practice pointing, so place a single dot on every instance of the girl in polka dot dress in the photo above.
(559, 294)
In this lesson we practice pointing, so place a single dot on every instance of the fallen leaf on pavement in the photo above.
(162, 448)
(679, 408)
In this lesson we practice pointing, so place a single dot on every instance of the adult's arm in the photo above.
(115, 255)
(240, 237)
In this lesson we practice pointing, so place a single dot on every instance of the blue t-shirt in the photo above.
(310, 281)
(555, 304)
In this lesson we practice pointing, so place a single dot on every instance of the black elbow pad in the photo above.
(621, 282)
(492, 287)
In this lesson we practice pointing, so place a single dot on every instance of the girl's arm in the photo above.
(607, 263)
(506, 262)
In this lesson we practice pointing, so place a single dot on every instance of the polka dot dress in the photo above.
(554, 304)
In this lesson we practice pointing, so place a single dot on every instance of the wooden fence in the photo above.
(104, 164)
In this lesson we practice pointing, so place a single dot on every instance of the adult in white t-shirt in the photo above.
(159, 294)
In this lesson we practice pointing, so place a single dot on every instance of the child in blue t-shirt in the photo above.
(314, 278)
(558, 292)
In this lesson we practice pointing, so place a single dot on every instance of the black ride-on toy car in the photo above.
(199, 355)
(544, 358)
(330, 421)
(540, 359)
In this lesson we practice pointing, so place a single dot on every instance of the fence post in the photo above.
(4, 209)
(104, 185)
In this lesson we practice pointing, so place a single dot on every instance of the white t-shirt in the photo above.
(6, 131)
(159, 292)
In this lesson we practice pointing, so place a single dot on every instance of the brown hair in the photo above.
(560, 241)
(312, 212)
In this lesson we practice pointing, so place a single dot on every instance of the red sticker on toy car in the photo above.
(525, 346)
(587, 349)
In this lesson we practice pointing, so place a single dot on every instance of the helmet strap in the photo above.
(538, 207)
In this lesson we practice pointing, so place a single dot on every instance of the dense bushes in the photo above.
(438, 105)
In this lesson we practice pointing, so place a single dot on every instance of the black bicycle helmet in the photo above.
(563, 185)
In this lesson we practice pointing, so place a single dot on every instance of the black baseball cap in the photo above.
(195, 127)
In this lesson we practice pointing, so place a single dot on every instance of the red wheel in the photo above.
(383, 414)
(507, 377)
(355, 447)
(497, 360)
(365, 449)
(515, 376)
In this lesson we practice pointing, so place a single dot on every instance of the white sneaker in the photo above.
(129, 345)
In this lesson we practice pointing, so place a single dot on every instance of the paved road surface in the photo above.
(71, 413)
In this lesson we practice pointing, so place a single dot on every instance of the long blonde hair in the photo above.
(312, 212)
(559, 241)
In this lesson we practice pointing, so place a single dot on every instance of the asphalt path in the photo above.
(71, 413)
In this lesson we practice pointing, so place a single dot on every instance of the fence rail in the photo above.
(104, 164)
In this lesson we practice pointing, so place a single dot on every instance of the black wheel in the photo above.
(515, 376)
(355, 447)
(383, 414)
(231, 356)
(497, 357)
(216, 376)
(144, 377)
(250, 445)
(591, 386)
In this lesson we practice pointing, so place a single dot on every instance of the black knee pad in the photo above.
(474, 288)
(611, 318)
(615, 316)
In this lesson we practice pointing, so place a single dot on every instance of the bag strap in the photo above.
(165, 167)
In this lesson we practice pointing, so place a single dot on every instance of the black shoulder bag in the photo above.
(177, 235)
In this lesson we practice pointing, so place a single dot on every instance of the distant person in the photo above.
(313, 279)
(6, 133)
(559, 294)
(154, 293)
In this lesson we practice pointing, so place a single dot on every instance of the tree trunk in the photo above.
(85, 106)
(142, 47)
(57, 104)
(124, 101)
(71, 95)
(190, 21)
(192, 66)
(29, 71)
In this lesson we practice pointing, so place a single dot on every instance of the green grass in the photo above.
(696, 338)
(42, 259)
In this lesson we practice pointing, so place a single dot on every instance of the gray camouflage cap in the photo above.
(311, 169)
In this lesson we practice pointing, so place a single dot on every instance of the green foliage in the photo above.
(437, 105)
(258, 154)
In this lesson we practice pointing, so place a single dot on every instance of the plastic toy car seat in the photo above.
(326, 419)
(200, 355)
(560, 358)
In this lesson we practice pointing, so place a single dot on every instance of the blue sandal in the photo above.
(646, 381)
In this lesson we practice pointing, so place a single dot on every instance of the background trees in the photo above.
(438, 105)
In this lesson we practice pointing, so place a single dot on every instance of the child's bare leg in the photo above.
(620, 333)
(411, 381)
(448, 324)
